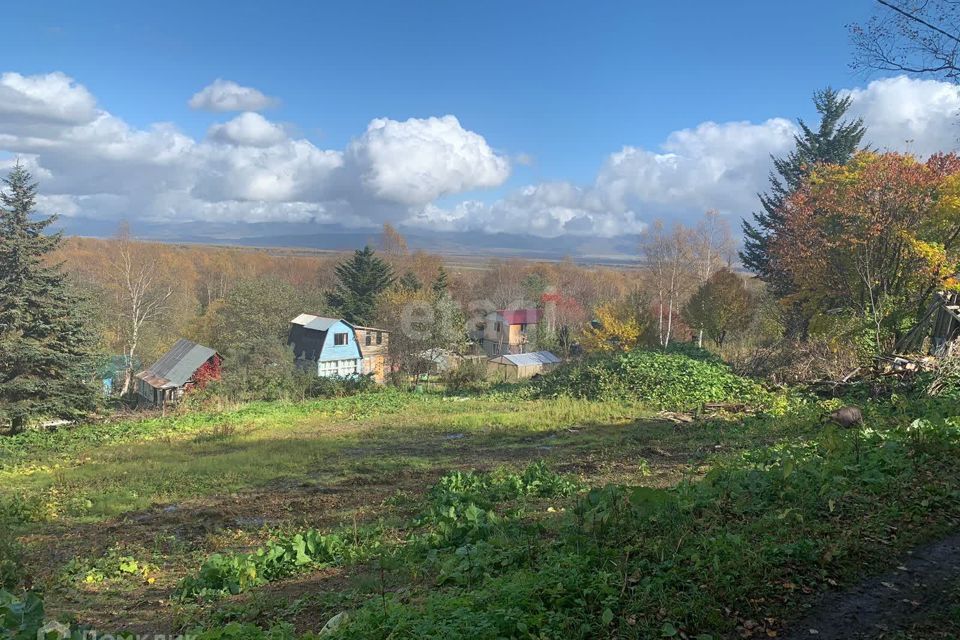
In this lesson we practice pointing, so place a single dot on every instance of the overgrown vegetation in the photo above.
(458, 510)
(11, 567)
(534, 553)
(669, 380)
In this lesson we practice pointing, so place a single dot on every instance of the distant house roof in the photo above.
(527, 359)
(363, 328)
(317, 323)
(177, 366)
(521, 316)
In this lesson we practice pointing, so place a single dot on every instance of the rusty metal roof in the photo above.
(176, 366)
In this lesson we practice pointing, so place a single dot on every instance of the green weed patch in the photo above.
(458, 510)
(702, 559)
(235, 573)
(672, 381)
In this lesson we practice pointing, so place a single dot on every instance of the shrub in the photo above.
(693, 351)
(11, 568)
(337, 387)
(790, 361)
(672, 381)
(470, 374)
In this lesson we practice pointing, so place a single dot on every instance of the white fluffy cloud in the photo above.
(547, 209)
(903, 114)
(711, 166)
(52, 98)
(249, 169)
(286, 171)
(226, 95)
(248, 129)
(417, 161)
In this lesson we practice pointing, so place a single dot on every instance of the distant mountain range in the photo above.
(329, 237)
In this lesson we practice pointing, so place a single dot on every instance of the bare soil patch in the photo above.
(894, 605)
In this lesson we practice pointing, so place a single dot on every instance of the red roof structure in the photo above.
(521, 316)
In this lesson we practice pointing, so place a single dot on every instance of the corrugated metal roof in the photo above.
(321, 324)
(176, 366)
(521, 316)
(528, 359)
(317, 323)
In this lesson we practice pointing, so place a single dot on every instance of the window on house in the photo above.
(379, 337)
(340, 339)
(342, 368)
(497, 327)
(369, 339)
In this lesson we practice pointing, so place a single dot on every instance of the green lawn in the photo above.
(747, 516)
(323, 444)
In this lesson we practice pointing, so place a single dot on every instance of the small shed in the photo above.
(185, 366)
(439, 360)
(519, 366)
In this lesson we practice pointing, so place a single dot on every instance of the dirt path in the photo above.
(919, 589)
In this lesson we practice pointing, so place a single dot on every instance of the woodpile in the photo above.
(886, 372)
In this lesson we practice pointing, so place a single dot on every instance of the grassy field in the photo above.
(138, 525)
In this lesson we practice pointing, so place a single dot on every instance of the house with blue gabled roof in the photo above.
(328, 344)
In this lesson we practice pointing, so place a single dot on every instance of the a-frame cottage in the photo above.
(187, 365)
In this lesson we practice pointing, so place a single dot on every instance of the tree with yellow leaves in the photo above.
(874, 239)
(618, 326)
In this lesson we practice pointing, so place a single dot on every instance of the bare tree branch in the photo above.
(919, 38)
(919, 20)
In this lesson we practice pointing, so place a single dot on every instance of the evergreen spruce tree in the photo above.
(835, 141)
(361, 280)
(441, 285)
(46, 351)
(410, 282)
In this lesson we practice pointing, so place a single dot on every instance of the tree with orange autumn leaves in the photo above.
(874, 239)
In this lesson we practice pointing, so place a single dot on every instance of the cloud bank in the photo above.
(246, 169)
(92, 164)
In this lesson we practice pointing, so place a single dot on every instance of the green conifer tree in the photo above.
(441, 284)
(410, 282)
(46, 349)
(360, 281)
(835, 141)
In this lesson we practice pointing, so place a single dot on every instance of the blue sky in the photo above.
(566, 85)
(564, 82)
